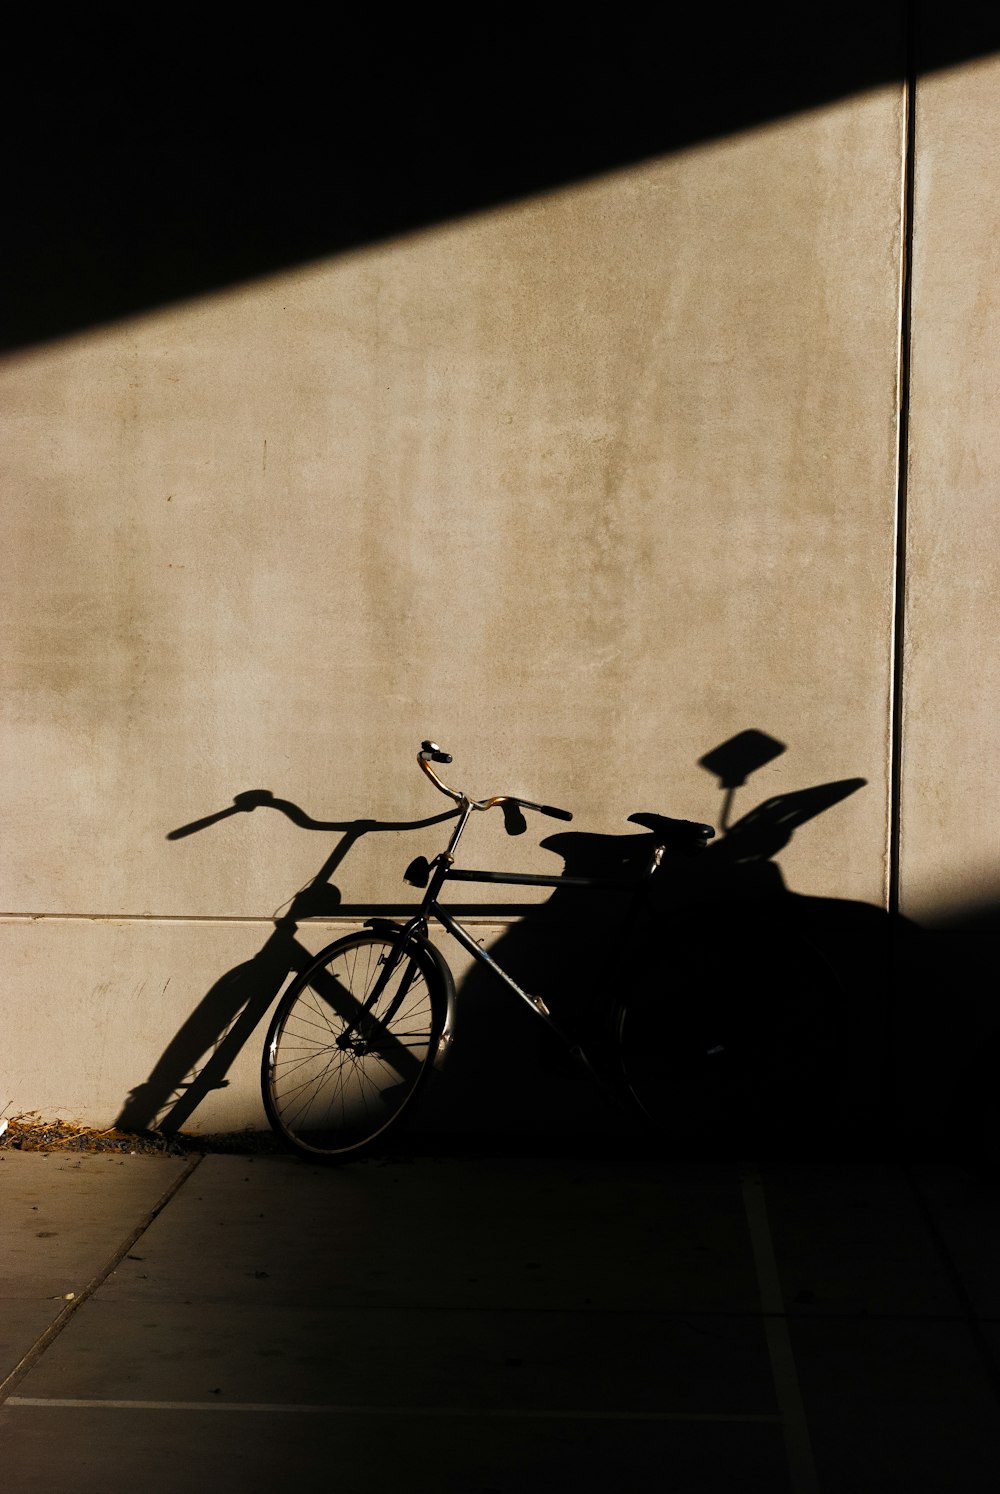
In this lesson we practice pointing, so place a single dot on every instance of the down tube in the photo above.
(477, 951)
(536, 1003)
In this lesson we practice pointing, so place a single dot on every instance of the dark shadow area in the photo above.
(764, 1014)
(762, 1018)
(155, 159)
(772, 1021)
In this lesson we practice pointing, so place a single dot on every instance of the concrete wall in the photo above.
(950, 842)
(581, 486)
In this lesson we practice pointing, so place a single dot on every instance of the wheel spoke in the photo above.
(332, 1098)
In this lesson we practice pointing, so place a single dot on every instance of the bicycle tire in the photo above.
(676, 1080)
(332, 1090)
(743, 1053)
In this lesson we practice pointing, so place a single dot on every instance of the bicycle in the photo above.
(358, 1031)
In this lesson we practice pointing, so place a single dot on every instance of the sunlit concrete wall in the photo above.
(580, 487)
(950, 860)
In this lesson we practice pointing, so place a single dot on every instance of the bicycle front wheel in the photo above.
(350, 1046)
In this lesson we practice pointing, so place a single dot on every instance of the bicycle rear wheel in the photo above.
(340, 1068)
(674, 1073)
(740, 1049)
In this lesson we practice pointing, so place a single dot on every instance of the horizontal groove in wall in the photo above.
(502, 914)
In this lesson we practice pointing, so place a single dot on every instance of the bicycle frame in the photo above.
(442, 870)
(332, 1082)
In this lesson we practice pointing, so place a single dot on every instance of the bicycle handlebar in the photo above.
(431, 752)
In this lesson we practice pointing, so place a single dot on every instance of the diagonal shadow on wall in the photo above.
(150, 162)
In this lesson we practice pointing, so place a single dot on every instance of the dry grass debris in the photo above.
(32, 1133)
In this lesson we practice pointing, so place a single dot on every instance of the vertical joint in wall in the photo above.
(902, 457)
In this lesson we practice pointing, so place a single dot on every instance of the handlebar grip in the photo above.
(549, 809)
(432, 751)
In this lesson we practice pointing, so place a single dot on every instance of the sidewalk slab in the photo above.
(63, 1220)
(441, 1324)
(263, 1451)
(964, 1213)
(498, 1233)
(481, 1323)
(513, 1283)
(851, 1240)
(898, 1406)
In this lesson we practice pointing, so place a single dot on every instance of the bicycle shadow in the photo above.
(233, 1007)
(828, 1010)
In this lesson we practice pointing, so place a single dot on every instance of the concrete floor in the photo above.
(479, 1323)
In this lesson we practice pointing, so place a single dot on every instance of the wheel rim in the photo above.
(338, 1075)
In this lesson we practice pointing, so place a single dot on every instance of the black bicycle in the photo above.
(357, 1032)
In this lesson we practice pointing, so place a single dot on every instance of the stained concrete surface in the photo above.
(62, 1220)
(500, 1322)
(582, 485)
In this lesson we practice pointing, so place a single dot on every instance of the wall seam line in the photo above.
(888, 1078)
(902, 469)
(353, 914)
